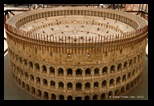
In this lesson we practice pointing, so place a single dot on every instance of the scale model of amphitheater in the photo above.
(76, 53)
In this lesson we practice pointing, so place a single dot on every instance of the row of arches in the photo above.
(78, 72)
(69, 85)
(53, 96)
(69, 72)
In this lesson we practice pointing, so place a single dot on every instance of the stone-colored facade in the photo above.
(73, 70)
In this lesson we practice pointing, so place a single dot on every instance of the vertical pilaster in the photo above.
(107, 84)
(106, 96)
(48, 71)
(65, 73)
(56, 72)
(49, 96)
(115, 69)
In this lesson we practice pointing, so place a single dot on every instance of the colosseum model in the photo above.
(76, 53)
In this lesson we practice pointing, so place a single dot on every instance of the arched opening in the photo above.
(103, 96)
(30, 64)
(52, 84)
(23, 84)
(138, 57)
(21, 73)
(78, 98)
(45, 82)
(141, 55)
(27, 87)
(44, 69)
(25, 62)
(86, 98)
(19, 82)
(127, 87)
(69, 86)
(104, 84)
(118, 80)
(37, 80)
(111, 82)
(125, 65)
(88, 72)
(61, 85)
(69, 98)
(132, 84)
(112, 69)
(17, 70)
(61, 97)
(78, 86)
(133, 72)
(87, 85)
(117, 92)
(130, 63)
(96, 71)
(45, 95)
(31, 78)
(95, 97)
(52, 70)
(26, 75)
(33, 90)
(60, 71)
(96, 85)
(134, 60)
(124, 78)
(53, 97)
(20, 59)
(110, 94)
(129, 75)
(39, 93)
(104, 71)
(37, 67)
(69, 72)
(119, 67)
(122, 90)
(78, 72)
(137, 68)
(16, 57)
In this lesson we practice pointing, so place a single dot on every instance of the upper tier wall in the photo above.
(119, 39)
(112, 14)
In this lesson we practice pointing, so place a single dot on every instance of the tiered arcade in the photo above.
(76, 64)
